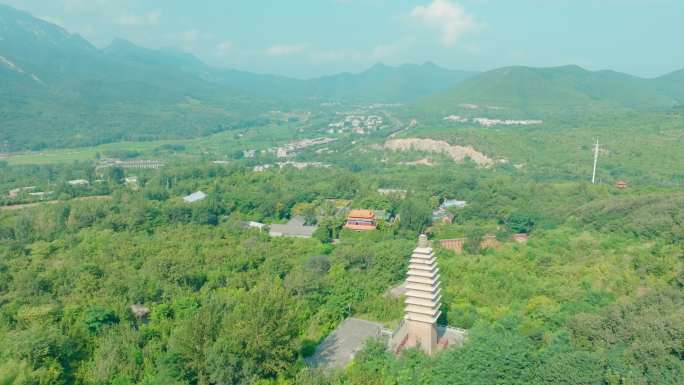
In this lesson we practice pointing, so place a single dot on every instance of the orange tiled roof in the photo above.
(365, 214)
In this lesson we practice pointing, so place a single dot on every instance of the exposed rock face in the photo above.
(457, 153)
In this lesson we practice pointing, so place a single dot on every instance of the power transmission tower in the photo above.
(596, 153)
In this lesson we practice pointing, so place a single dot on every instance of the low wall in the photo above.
(456, 244)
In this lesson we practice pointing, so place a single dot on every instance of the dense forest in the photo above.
(595, 296)
(137, 188)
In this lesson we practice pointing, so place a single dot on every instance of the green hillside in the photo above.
(555, 89)
(672, 84)
(388, 84)
(61, 91)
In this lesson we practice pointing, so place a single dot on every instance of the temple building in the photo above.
(361, 220)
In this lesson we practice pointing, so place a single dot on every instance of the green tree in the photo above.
(415, 214)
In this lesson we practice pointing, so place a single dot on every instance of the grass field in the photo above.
(82, 154)
(218, 145)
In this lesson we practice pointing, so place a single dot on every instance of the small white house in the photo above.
(195, 197)
(453, 203)
(78, 183)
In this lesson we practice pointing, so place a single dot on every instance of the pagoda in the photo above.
(423, 296)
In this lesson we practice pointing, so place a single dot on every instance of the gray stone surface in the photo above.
(294, 228)
(397, 291)
(339, 348)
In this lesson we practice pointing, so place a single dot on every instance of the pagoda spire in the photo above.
(423, 298)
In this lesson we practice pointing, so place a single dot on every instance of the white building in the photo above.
(78, 183)
(195, 197)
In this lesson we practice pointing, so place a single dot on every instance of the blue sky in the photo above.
(307, 38)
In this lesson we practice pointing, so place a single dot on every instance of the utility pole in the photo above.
(596, 153)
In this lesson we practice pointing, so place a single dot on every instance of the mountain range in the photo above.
(568, 88)
(59, 90)
(38, 54)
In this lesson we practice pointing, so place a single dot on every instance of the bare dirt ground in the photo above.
(457, 153)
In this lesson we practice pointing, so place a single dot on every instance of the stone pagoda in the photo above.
(418, 329)
(423, 296)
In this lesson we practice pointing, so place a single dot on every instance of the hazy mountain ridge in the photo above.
(537, 89)
(673, 85)
(67, 60)
(60, 90)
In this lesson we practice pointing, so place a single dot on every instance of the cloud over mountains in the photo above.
(449, 19)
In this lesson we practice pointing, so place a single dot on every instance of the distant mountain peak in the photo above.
(121, 42)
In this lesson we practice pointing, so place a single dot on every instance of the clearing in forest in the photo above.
(457, 153)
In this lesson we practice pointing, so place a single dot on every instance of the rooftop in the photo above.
(453, 203)
(78, 182)
(195, 197)
(364, 214)
(294, 228)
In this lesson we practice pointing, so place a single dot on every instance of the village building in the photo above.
(295, 228)
(449, 203)
(139, 164)
(131, 182)
(254, 225)
(14, 193)
(195, 197)
(40, 194)
(442, 213)
(249, 153)
(262, 168)
(78, 183)
(382, 215)
(361, 220)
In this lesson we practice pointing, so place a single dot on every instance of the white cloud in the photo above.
(223, 48)
(285, 49)
(145, 20)
(449, 18)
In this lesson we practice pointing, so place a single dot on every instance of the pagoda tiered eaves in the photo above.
(423, 298)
